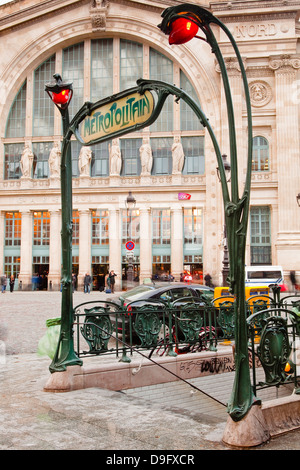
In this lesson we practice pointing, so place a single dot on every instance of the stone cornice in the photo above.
(37, 12)
(258, 5)
(259, 17)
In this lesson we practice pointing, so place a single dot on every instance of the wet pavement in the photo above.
(90, 419)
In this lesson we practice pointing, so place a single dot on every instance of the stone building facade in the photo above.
(103, 47)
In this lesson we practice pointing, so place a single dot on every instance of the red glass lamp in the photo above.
(60, 92)
(182, 31)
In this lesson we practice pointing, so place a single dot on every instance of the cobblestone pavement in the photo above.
(91, 419)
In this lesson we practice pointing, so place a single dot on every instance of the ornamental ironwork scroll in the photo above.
(274, 350)
(97, 329)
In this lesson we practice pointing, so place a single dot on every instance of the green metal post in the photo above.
(236, 208)
(65, 354)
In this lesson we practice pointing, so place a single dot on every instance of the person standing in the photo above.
(207, 280)
(3, 283)
(87, 283)
(74, 280)
(111, 280)
(293, 280)
(11, 283)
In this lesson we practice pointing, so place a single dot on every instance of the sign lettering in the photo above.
(255, 30)
(117, 115)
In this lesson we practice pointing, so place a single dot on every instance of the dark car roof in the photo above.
(146, 290)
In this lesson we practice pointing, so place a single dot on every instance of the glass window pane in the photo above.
(101, 68)
(41, 228)
(43, 109)
(188, 119)
(100, 224)
(73, 71)
(75, 226)
(161, 226)
(100, 160)
(12, 229)
(75, 149)
(131, 165)
(17, 116)
(260, 157)
(194, 161)
(260, 235)
(131, 63)
(162, 155)
(41, 152)
(193, 226)
(12, 158)
(161, 68)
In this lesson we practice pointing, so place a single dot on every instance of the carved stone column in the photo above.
(145, 245)
(176, 242)
(288, 159)
(25, 275)
(54, 275)
(115, 262)
(84, 246)
(2, 232)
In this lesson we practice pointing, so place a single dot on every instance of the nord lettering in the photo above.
(255, 30)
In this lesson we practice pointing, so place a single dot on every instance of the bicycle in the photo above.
(206, 335)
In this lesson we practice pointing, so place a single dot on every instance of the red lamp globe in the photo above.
(61, 98)
(183, 30)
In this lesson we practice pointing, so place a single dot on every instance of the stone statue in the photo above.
(84, 161)
(177, 156)
(115, 158)
(146, 158)
(54, 160)
(26, 161)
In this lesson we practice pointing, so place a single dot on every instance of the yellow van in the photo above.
(222, 294)
(261, 299)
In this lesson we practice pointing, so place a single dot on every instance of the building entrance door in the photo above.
(40, 276)
(99, 273)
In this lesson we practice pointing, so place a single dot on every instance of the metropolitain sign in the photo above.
(116, 117)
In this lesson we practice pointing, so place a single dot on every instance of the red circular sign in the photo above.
(130, 246)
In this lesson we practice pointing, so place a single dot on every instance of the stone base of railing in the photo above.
(140, 372)
(264, 422)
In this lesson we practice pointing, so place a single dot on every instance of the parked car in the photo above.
(158, 295)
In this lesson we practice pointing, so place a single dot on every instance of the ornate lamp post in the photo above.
(130, 205)
(182, 23)
(225, 270)
(61, 94)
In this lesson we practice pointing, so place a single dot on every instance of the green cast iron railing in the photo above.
(104, 328)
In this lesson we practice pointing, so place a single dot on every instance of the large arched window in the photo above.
(15, 126)
(261, 157)
(99, 68)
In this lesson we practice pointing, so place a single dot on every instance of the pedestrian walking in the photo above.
(87, 283)
(11, 283)
(111, 280)
(3, 283)
(74, 280)
(293, 280)
(207, 280)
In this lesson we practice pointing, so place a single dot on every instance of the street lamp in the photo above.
(178, 23)
(130, 205)
(130, 201)
(60, 93)
(225, 270)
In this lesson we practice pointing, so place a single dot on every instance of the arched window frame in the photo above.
(261, 154)
(165, 127)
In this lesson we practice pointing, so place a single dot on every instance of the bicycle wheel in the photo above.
(161, 348)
